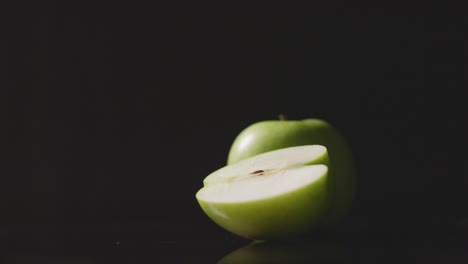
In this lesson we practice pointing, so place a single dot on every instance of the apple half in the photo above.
(273, 195)
(270, 135)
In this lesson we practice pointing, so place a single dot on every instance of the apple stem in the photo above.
(281, 117)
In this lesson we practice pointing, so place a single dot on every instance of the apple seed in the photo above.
(258, 172)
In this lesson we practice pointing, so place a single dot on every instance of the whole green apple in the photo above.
(270, 135)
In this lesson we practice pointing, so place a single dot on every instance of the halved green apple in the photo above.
(270, 135)
(273, 195)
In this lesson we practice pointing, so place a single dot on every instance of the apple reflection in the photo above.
(298, 251)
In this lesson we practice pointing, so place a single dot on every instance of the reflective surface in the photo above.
(444, 244)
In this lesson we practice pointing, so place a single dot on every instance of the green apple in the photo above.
(274, 195)
(270, 135)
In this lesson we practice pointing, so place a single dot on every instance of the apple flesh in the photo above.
(273, 195)
(287, 157)
(271, 135)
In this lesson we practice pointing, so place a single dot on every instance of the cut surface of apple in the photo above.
(274, 195)
(264, 184)
(269, 162)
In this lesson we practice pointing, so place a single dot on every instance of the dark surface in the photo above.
(112, 116)
(362, 245)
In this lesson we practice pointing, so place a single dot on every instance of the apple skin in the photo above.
(288, 215)
(270, 135)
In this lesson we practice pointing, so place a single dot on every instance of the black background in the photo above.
(112, 115)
